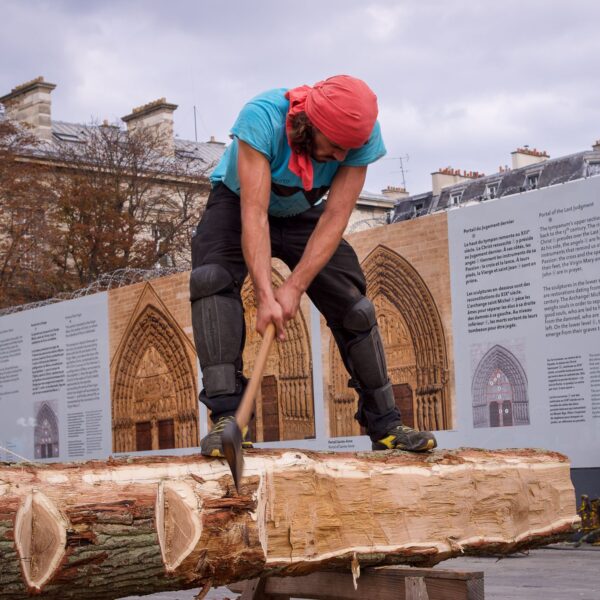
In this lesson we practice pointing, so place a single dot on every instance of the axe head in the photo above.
(231, 439)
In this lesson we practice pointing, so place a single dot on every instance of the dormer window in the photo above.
(491, 191)
(593, 168)
(66, 137)
(532, 181)
(455, 198)
(188, 154)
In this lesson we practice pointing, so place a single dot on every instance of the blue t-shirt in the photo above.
(261, 124)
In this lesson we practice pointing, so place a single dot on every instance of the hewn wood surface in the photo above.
(133, 526)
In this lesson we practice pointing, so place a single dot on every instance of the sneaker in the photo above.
(402, 437)
(210, 445)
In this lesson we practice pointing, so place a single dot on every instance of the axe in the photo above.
(231, 438)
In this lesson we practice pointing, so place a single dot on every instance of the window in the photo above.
(491, 191)
(455, 198)
(532, 181)
(166, 262)
(67, 137)
(593, 168)
(28, 223)
(161, 230)
(185, 154)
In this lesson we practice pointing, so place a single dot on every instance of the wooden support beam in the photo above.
(255, 590)
(415, 589)
(389, 583)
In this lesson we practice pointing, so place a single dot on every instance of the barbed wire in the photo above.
(108, 281)
(367, 223)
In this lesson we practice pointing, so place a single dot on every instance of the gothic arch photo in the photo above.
(415, 346)
(285, 403)
(154, 392)
(45, 434)
(499, 390)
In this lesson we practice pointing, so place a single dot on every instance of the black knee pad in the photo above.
(218, 324)
(361, 316)
(364, 348)
(207, 280)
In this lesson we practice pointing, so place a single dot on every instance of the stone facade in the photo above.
(153, 366)
(154, 370)
(408, 279)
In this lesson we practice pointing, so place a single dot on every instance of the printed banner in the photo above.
(54, 385)
(525, 274)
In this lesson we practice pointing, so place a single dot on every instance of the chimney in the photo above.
(596, 146)
(395, 193)
(157, 116)
(448, 176)
(213, 140)
(30, 103)
(525, 156)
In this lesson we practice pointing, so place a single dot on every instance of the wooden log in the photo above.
(140, 525)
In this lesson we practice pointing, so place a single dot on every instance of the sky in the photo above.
(459, 83)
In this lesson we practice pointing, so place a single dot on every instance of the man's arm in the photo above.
(255, 187)
(345, 189)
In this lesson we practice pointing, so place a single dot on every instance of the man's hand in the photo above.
(270, 311)
(288, 296)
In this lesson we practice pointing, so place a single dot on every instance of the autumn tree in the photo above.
(24, 198)
(74, 210)
(121, 201)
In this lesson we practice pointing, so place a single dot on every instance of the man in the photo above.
(289, 148)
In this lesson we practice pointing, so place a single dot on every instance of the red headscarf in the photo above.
(342, 108)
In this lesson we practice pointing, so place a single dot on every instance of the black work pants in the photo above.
(339, 285)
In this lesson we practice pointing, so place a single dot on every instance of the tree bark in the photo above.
(141, 525)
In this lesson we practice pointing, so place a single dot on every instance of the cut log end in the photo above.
(177, 522)
(40, 538)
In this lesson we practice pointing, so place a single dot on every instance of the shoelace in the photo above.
(220, 425)
(402, 429)
(406, 429)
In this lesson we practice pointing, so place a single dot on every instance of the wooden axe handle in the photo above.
(246, 407)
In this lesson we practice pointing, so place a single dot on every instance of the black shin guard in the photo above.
(362, 351)
(218, 324)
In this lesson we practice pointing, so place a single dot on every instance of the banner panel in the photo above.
(525, 280)
(54, 381)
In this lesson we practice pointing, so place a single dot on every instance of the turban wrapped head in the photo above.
(343, 108)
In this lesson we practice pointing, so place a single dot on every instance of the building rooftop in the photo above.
(506, 182)
(199, 157)
(207, 152)
(376, 200)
